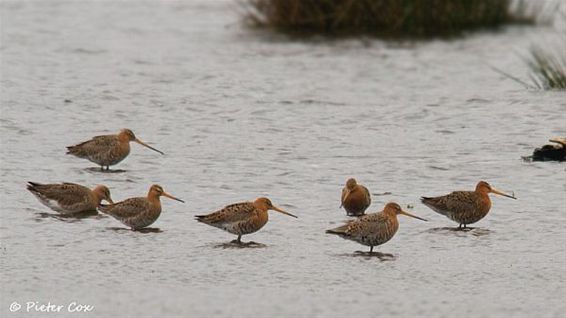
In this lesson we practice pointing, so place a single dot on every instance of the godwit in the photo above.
(355, 198)
(241, 218)
(69, 198)
(465, 207)
(107, 150)
(138, 213)
(373, 229)
(551, 152)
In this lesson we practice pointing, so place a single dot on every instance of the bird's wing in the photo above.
(368, 196)
(65, 194)
(229, 214)
(373, 222)
(461, 201)
(353, 226)
(125, 209)
(454, 202)
(342, 230)
(365, 225)
(344, 191)
(96, 143)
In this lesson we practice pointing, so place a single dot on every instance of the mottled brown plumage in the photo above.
(107, 150)
(69, 198)
(141, 212)
(373, 229)
(355, 198)
(241, 218)
(464, 207)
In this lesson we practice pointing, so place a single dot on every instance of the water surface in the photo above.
(241, 114)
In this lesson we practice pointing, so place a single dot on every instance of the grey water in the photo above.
(242, 113)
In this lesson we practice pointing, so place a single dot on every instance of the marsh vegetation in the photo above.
(390, 18)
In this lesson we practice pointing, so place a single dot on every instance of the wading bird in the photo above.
(373, 229)
(107, 150)
(138, 213)
(69, 198)
(464, 207)
(355, 198)
(241, 218)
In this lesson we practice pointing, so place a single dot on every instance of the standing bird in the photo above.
(355, 198)
(373, 229)
(138, 213)
(107, 150)
(241, 218)
(69, 198)
(464, 207)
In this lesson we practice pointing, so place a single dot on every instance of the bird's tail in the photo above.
(425, 199)
(104, 207)
(433, 203)
(201, 218)
(77, 150)
(341, 230)
(32, 186)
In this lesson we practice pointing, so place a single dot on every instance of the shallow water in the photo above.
(241, 114)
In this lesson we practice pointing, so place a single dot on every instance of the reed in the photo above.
(548, 69)
(385, 17)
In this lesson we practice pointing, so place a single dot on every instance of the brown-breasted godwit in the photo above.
(107, 150)
(464, 207)
(69, 198)
(355, 198)
(241, 218)
(138, 213)
(373, 229)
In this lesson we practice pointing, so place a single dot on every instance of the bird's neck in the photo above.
(123, 138)
(153, 199)
(390, 214)
(97, 196)
(263, 217)
(392, 220)
(484, 196)
(260, 206)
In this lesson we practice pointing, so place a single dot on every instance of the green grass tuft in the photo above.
(418, 18)
(548, 69)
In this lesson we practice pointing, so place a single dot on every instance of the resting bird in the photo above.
(464, 207)
(69, 198)
(241, 218)
(141, 212)
(355, 198)
(551, 152)
(373, 229)
(107, 150)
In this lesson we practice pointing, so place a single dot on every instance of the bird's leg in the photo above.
(238, 240)
(371, 249)
(107, 168)
(465, 226)
(460, 226)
